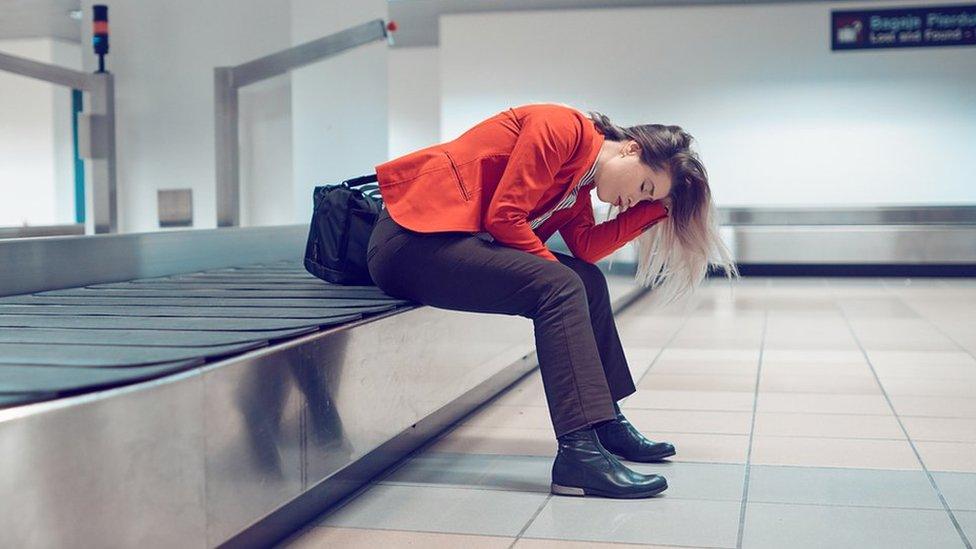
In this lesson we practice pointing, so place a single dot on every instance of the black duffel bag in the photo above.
(342, 222)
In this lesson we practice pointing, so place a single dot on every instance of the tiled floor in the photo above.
(806, 412)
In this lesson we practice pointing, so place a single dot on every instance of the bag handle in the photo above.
(362, 180)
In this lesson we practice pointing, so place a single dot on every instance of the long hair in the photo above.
(674, 254)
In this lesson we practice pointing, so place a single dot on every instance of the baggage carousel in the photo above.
(75, 340)
(200, 389)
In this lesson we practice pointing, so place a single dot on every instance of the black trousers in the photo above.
(580, 355)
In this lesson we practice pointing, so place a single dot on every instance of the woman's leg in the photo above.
(612, 357)
(459, 271)
(618, 436)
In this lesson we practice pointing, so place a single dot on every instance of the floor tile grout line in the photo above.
(742, 463)
(406, 484)
(656, 356)
(529, 522)
(729, 410)
(937, 328)
(752, 430)
(687, 317)
(911, 443)
(427, 445)
(664, 346)
(378, 479)
(627, 543)
(410, 530)
(742, 434)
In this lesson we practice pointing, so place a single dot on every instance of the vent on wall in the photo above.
(175, 208)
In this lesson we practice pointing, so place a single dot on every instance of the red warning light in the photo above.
(391, 26)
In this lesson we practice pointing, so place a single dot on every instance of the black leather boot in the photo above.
(620, 437)
(584, 468)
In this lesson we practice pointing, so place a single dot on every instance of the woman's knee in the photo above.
(560, 281)
(595, 281)
(593, 278)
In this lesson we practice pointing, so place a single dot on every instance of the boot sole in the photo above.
(561, 490)
(648, 460)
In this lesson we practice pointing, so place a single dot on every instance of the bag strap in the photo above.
(362, 180)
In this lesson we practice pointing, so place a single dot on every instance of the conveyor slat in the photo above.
(216, 291)
(71, 340)
(155, 338)
(47, 379)
(223, 324)
(186, 301)
(102, 356)
(240, 312)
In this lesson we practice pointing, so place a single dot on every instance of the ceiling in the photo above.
(417, 19)
(39, 19)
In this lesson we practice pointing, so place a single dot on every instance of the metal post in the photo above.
(227, 82)
(96, 129)
(227, 148)
(104, 196)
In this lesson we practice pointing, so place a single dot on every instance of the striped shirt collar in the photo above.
(570, 199)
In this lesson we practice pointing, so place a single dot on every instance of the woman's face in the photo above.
(623, 180)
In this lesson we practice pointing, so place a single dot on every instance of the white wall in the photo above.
(36, 155)
(266, 152)
(64, 54)
(340, 104)
(779, 118)
(415, 99)
(322, 123)
(163, 55)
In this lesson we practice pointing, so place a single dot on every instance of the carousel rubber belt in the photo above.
(75, 340)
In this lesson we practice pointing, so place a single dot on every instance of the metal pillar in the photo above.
(96, 132)
(227, 82)
(102, 152)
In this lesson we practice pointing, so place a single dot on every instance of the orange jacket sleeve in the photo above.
(544, 144)
(591, 242)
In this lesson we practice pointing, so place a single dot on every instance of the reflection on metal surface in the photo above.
(120, 468)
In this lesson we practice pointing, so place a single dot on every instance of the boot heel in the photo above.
(567, 490)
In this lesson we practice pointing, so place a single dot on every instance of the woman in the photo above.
(464, 227)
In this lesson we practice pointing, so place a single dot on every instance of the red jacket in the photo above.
(506, 170)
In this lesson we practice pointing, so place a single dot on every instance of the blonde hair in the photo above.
(674, 254)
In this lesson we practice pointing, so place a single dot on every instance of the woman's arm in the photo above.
(544, 144)
(591, 242)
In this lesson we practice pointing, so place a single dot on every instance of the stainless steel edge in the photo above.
(879, 215)
(905, 244)
(33, 231)
(30, 265)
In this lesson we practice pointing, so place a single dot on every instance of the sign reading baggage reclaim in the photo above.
(903, 27)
